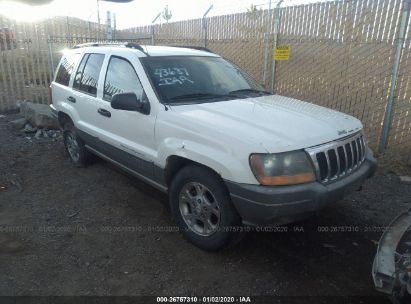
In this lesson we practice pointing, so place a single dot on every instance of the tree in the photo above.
(252, 9)
(167, 14)
(253, 12)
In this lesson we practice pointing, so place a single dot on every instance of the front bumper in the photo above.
(262, 205)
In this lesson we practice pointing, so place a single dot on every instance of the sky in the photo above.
(135, 13)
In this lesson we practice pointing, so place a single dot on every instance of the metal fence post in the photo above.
(276, 30)
(68, 26)
(51, 57)
(205, 31)
(152, 28)
(89, 29)
(205, 27)
(405, 14)
(267, 42)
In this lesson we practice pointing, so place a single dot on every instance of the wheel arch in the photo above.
(63, 117)
(174, 163)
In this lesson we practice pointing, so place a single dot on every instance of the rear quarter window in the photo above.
(66, 68)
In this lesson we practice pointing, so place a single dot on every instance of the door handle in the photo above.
(104, 112)
(71, 99)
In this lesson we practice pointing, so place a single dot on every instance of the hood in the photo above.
(276, 123)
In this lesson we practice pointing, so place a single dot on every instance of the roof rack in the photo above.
(200, 48)
(131, 45)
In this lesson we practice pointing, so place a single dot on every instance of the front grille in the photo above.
(339, 158)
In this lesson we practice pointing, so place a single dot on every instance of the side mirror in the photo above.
(130, 102)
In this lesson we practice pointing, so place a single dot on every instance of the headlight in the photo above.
(282, 168)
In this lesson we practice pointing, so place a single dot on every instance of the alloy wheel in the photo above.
(199, 209)
(72, 147)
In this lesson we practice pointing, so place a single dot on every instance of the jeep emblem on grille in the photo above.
(341, 132)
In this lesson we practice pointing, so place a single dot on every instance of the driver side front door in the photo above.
(129, 134)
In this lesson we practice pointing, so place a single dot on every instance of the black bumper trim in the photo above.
(260, 205)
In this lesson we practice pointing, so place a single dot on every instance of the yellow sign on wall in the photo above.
(282, 52)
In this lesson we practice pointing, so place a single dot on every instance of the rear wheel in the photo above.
(74, 145)
(202, 208)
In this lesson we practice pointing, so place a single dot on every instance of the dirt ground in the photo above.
(97, 231)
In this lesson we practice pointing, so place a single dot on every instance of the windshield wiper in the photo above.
(198, 95)
(260, 92)
(210, 96)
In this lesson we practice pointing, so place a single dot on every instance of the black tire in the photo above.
(69, 137)
(229, 222)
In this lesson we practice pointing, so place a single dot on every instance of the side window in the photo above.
(121, 78)
(87, 78)
(79, 73)
(66, 68)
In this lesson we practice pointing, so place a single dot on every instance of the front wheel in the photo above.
(202, 208)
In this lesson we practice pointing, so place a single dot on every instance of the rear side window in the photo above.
(121, 78)
(87, 74)
(68, 62)
(79, 73)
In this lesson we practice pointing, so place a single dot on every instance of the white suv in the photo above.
(196, 126)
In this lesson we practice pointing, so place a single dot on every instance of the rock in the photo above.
(51, 133)
(39, 115)
(18, 103)
(28, 128)
(405, 179)
(73, 214)
(18, 124)
(38, 134)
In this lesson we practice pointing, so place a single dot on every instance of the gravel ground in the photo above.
(97, 231)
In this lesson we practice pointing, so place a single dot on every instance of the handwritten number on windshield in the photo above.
(173, 76)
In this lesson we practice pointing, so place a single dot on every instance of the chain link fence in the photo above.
(343, 55)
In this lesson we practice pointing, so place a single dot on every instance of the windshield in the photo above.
(187, 79)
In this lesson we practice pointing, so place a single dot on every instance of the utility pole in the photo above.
(114, 26)
(98, 20)
(109, 33)
(98, 13)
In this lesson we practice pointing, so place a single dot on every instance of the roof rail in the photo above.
(200, 48)
(131, 45)
(80, 45)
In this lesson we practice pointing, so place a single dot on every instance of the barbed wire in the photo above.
(239, 6)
